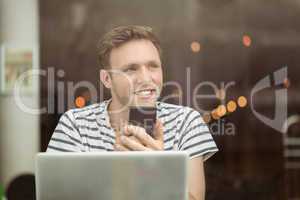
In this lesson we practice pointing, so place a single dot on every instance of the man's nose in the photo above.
(144, 74)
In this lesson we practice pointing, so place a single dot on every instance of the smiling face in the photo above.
(136, 74)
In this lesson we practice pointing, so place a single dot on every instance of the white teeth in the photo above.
(144, 92)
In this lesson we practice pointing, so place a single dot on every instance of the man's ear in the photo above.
(105, 78)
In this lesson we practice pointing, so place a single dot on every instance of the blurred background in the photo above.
(231, 44)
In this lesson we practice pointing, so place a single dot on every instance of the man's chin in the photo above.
(144, 102)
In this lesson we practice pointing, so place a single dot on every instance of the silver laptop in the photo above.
(158, 175)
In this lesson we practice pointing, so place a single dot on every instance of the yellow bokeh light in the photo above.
(195, 47)
(242, 101)
(231, 106)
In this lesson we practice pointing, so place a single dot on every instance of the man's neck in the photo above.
(118, 115)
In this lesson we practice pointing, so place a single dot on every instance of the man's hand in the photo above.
(135, 138)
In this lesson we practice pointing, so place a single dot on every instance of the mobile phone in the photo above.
(144, 117)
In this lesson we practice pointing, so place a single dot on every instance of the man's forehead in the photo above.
(149, 62)
(134, 52)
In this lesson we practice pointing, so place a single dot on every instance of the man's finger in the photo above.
(118, 135)
(119, 147)
(158, 131)
(144, 137)
(125, 131)
(132, 144)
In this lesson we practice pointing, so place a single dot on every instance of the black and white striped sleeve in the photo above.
(195, 137)
(66, 137)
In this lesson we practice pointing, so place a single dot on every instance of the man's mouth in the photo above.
(145, 93)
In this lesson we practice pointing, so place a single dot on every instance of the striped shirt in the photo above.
(88, 130)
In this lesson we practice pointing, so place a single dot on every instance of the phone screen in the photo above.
(144, 117)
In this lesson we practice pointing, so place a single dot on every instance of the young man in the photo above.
(130, 57)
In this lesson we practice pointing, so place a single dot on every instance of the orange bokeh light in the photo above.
(231, 106)
(286, 83)
(195, 47)
(221, 110)
(214, 114)
(80, 102)
(242, 101)
(247, 40)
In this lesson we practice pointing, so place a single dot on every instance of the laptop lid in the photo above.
(112, 175)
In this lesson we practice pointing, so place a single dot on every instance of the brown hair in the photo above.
(120, 35)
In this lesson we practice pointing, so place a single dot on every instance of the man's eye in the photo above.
(154, 66)
(131, 69)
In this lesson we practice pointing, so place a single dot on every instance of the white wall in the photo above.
(19, 131)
